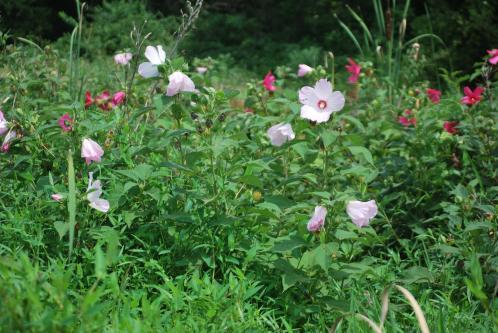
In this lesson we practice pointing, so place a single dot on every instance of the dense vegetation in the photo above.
(148, 185)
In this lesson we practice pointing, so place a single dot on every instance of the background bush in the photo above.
(258, 32)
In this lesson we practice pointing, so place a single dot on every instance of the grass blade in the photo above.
(30, 42)
(362, 24)
(373, 325)
(385, 306)
(421, 36)
(350, 34)
(379, 16)
(416, 308)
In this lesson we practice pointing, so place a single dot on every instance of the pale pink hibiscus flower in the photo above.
(123, 58)
(94, 191)
(91, 151)
(361, 213)
(317, 221)
(320, 102)
(56, 197)
(201, 70)
(179, 82)
(7, 140)
(280, 134)
(4, 124)
(156, 57)
(304, 70)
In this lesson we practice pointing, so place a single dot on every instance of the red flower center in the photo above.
(322, 104)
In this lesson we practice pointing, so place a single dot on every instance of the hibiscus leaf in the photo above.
(362, 153)
(251, 180)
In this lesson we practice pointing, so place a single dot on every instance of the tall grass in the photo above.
(74, 52)
(386, 38)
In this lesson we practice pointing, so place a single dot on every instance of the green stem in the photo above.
(71, 202)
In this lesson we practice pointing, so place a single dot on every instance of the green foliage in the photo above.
(112, 22)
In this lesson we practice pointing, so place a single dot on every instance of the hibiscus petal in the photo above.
(148, 70)
(153, 55)
(307, 96)
(467, 91)
(162, 54)
(335, 102)
(95, 191)
(323, 89)
(101, 205)
(308, 112)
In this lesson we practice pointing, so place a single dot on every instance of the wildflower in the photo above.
(280, 134)
(179, 82)
(4, 124)
(405, 121)
(320, 102)
(472, 97)
(91, 151)
(494, 56)
(361, 212)
(156, 56)
(122, 58)
(56, 197)
(354, 69)
(248, 110)
(451, 127)
(317, 221)
(94, 191)
(7, 141)
(434, 95)
(88, 99)
(102, 100)
(118, 98)
(65, 122)
(268, 82)
(304, 70)
(201, 70)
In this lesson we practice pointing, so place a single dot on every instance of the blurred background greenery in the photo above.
(259, 34)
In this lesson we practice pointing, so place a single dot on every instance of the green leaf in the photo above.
(62, 228)
(291, 275)
(279, 200)
(362, 153)
(251, 180)
(288, 244)
(329, 137)
(344, 234)
(417, 274)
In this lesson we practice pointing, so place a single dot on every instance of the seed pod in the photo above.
(209, 123)
(256, 196)
(221, 117)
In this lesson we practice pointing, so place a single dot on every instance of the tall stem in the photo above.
(71, 202)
